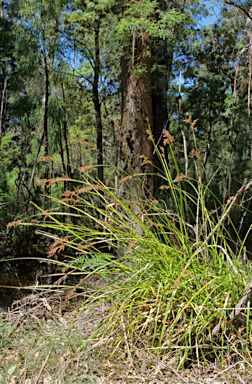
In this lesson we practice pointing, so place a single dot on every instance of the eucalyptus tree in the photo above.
(151, 31)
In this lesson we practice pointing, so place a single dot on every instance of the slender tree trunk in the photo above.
(46, 96)
(68, 167)
(62, 151)
(47, 85)
(137, 112)
(36, 160)
(249, 34)
(97, 104)
(2, 107)
(115, 143)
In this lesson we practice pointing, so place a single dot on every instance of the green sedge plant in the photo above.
(168, 282)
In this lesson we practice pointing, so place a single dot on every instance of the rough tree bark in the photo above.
(137, 112)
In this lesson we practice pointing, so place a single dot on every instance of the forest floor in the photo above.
(48, 338)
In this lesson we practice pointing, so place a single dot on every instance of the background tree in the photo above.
(75, 74)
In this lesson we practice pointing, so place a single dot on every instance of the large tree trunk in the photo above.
(137, 112)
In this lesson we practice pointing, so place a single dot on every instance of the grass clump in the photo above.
(172, 283)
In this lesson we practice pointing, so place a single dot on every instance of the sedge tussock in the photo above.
(85, 168)
(88, 245)
(230, 199)
(162, 151)
(117, 128)
(48, 212)
(89, 188)
(149, 135)
(48, 182)
(145, 160)
(129, 177)
(179, 178)
(45, 159)
(168, 138)
(78, 191)
(196, 154)
(82, 141)
(176, 180)
(131, 245)
(153, 224)
(153, 201)
(69, 194)
(59, 245)
(34, 222)
(192, 123)
(70, 200)
(14, 224)
(164, 187)
(163, 275)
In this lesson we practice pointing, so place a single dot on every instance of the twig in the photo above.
(126, 342)
(240, 7)
(225, 370)
(213, 176)
(43, 366)
(236, 311)
(17, 323)
(36, 319)
(175, 372)
(241, 191)
(228, 258)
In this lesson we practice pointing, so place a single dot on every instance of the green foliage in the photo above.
(7, 153)
(147, 17)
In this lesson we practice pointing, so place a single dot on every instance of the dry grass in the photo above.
(49, 339)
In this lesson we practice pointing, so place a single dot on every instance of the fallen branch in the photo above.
(235, 199)
(248, 290)
(43, 366)
(237, 310)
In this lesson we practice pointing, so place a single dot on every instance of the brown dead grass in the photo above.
(45, 338)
